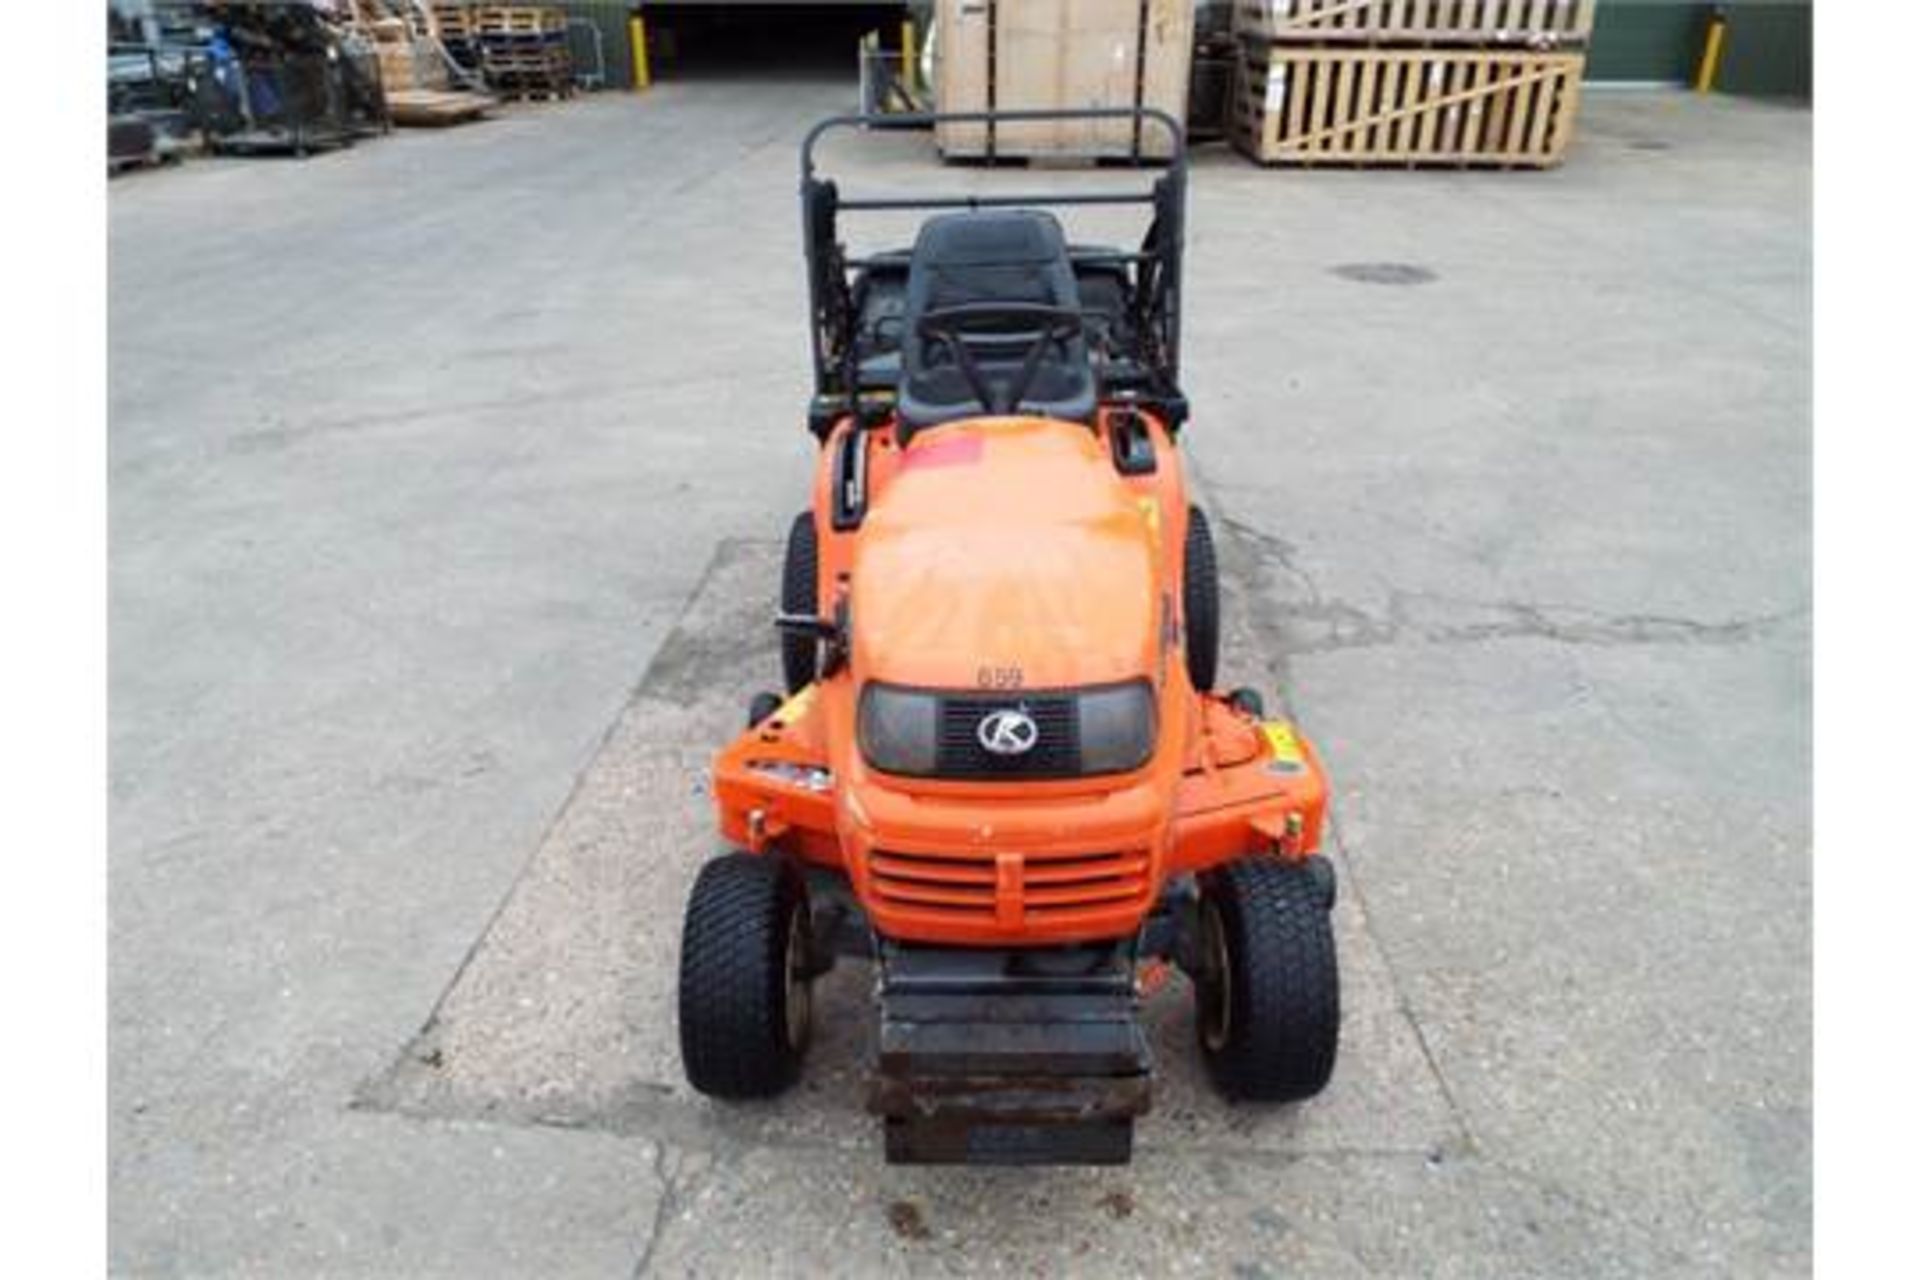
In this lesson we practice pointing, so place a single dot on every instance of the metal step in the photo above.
(995, 1056)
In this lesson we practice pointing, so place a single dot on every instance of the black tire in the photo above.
(1200, 602)
(1267, 1002)
(1325, 880)
(745, 1007)
(761, 706)
(800, 593)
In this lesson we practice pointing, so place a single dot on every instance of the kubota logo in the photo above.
(1008, 732)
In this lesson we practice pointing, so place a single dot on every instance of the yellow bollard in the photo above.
(1710, 56)
(637, 37)
(909, 60)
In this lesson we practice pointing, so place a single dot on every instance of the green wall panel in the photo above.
(1647, 40)
(1769, 48)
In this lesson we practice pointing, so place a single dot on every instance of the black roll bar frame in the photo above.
(1157, 264)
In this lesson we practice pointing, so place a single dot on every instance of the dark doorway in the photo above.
(791, 41)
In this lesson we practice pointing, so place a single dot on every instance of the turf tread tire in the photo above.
(800, 593)
(1284, 1032)
(733, 997)
(761, 708)
(1200, 602)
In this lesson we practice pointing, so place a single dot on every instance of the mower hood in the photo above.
(1006, 553)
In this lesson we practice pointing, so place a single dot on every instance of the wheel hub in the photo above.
(1216, 985)
(799, 991)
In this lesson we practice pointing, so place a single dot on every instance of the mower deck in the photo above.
(1009, 1056)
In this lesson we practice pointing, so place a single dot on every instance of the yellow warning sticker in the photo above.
(1150, 512)
(1281, 742)
(795, 707)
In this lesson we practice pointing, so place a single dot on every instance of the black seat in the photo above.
(1017, 256)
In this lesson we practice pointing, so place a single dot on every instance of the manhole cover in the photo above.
(1385, 273)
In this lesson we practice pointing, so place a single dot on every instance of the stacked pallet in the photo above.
(524, 51)
(459, 33)
(414, 72)
(1371, 82)
(407, 60)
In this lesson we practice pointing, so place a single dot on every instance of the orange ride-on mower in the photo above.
(1000, 771)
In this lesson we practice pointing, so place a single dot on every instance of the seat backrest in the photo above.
(993, 256)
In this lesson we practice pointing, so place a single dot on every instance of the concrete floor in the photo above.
(444, 475)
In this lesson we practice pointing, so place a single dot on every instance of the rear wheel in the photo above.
(800, 593)
(1200, 602)
(1267, 999)
(762, 706)
(746, 1009)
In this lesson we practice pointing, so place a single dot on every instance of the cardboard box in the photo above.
(1004, 55)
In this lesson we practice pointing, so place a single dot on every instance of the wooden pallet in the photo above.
(534, 92)
(527, 55)
(388, 21)
(1533, 23)
(527, 69)
(518, 20)
(428, 108)
(1497, 107)
(455, 21)
(500, 72)
(411, 64)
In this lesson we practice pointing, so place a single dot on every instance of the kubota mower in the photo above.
(1000, 771)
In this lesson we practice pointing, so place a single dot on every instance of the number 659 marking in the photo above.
(1000, 677)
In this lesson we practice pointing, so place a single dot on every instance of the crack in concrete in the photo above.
(667, 1170)
(1267, 562)
(382, 1089)
(684, 1124)
(1260, 559)
(1267, 570)
(1308, 621)
(1403, 1003)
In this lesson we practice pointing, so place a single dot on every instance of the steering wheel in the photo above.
(968, 325)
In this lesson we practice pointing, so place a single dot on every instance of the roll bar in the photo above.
(1156, 266)
(927, 119)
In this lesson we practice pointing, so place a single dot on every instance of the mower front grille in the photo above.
(1055, 753)
(1009, 889)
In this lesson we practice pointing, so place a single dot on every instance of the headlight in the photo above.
(1116, 728)
(898, 729)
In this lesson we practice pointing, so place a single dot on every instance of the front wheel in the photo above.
(1200, 602)
(1267, 998)
(800, 594)
(745, 1004)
